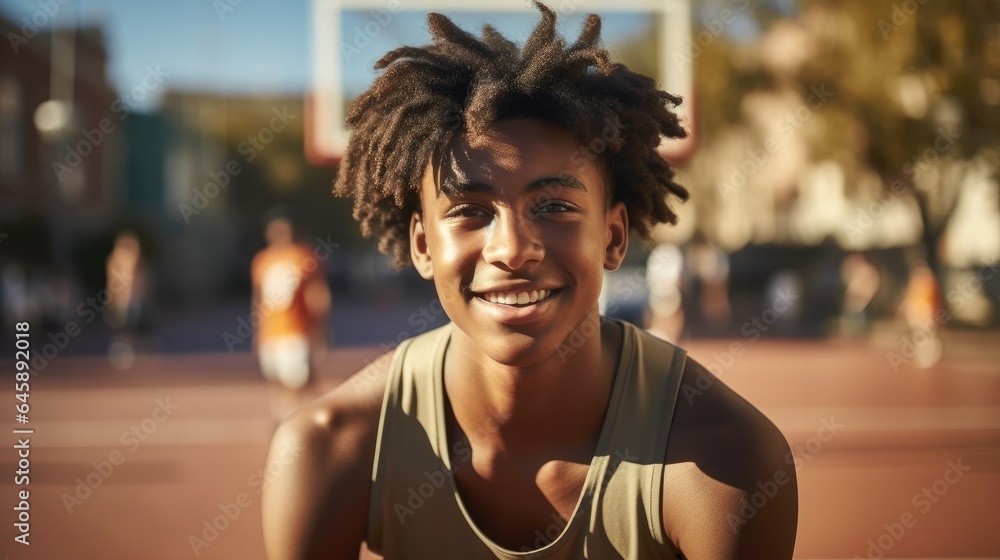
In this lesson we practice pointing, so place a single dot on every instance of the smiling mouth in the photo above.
(518, 299)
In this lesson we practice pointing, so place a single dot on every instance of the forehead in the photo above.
(517, 152)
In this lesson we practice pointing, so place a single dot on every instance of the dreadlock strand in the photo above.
(443, 29)
(498, 42)
(537, 73)
(543, 33)
(590, 35)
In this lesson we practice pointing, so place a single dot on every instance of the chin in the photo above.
(515, 349)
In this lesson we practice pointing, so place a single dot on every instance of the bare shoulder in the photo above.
(320, 465)
(729, 483)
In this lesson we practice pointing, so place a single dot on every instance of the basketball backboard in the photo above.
(350, 35)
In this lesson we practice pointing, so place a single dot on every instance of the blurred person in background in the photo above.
(861, 282)
(710, 265)
(664, 275)
(18, 301)
(291, 302)
(919, 309)
(127, 311)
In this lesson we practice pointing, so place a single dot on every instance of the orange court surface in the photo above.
(893, 464)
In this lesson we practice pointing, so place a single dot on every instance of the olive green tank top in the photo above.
(415, 510)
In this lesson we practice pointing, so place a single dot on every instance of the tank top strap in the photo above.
(408, 422)
(632, 497)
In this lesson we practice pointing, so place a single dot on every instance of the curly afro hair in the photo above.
(461, 83)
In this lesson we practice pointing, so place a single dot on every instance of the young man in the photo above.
(529, 426)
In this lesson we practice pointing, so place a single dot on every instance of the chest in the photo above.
(521, 506)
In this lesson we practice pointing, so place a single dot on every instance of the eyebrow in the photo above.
(450, 187)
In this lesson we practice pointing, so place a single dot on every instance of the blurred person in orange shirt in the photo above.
(293, 301)
(861, 281)
(920, 307)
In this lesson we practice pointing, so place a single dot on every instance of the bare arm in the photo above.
(730, 490)
(316, 504)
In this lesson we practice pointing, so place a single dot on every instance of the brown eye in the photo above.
(554, 208)
(467, 211)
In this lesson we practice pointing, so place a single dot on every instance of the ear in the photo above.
(418, 248)
(616, 243)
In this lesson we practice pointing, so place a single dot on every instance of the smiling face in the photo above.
(516, 231)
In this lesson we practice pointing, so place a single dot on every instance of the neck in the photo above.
(513, 409)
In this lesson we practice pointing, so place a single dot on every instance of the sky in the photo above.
(264, 47)
(260, 47)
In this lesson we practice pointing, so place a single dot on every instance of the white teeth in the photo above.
(517, 298)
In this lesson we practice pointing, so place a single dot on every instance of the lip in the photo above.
(510, 315)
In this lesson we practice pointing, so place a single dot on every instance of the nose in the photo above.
(512, 242)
